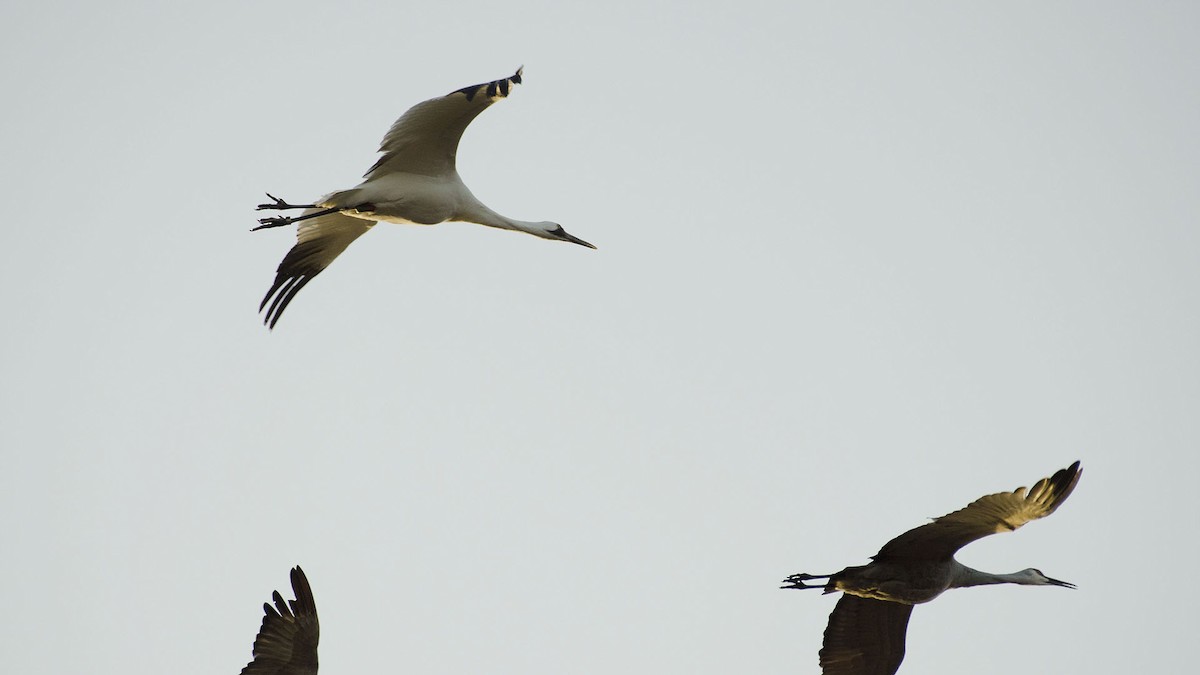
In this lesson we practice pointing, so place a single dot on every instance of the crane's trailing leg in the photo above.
(797, 581)
(281, 205)
(280, 221)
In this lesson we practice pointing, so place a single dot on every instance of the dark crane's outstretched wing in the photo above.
(1001, 512)
(864, 637)
(287, 642)
(424, 140)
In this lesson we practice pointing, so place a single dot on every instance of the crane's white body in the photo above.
(408, 199)
(414, 199)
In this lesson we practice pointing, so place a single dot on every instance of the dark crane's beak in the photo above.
(1056, 582)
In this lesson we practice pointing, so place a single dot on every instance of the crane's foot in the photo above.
(797, 581)
(280, 205)
(275, 221)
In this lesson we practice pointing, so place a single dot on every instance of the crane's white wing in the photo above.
(864, 637)
(318, 242)
(1001, 512)
(287, 642)
(425, 139)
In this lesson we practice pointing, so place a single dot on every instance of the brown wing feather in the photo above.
(1000, 512)
(864, 637)
(287, 642)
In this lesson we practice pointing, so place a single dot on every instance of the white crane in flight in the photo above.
(414, 182)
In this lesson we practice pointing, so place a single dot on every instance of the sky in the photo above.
(858, 264)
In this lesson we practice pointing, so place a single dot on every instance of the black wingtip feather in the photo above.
(500, 87)
(285, 287)
(280, 604)
(1063, 482)
(288, 289)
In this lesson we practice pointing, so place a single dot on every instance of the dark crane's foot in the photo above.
(280, 205)
(797, 581)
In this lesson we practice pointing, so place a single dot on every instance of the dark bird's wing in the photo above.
(287, 642)
(864, 637)
(1001, 512)
(318, 242)
(425, 139)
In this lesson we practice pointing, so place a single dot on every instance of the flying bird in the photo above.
(414, 182)
(287, 642)
(865, 635)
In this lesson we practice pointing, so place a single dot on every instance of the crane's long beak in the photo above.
(565, 236)
(1056, 582)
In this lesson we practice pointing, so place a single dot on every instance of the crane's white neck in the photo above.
(476, 212)
(482, 215)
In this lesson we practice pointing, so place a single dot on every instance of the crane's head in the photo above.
(1034, 577)
(548, 230)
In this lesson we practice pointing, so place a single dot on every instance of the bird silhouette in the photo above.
(866, 630)
(287, 642)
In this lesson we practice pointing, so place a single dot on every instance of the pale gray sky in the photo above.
(859, 263)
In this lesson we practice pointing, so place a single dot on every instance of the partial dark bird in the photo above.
(865, 635)
(414, 182)
(287, 642)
